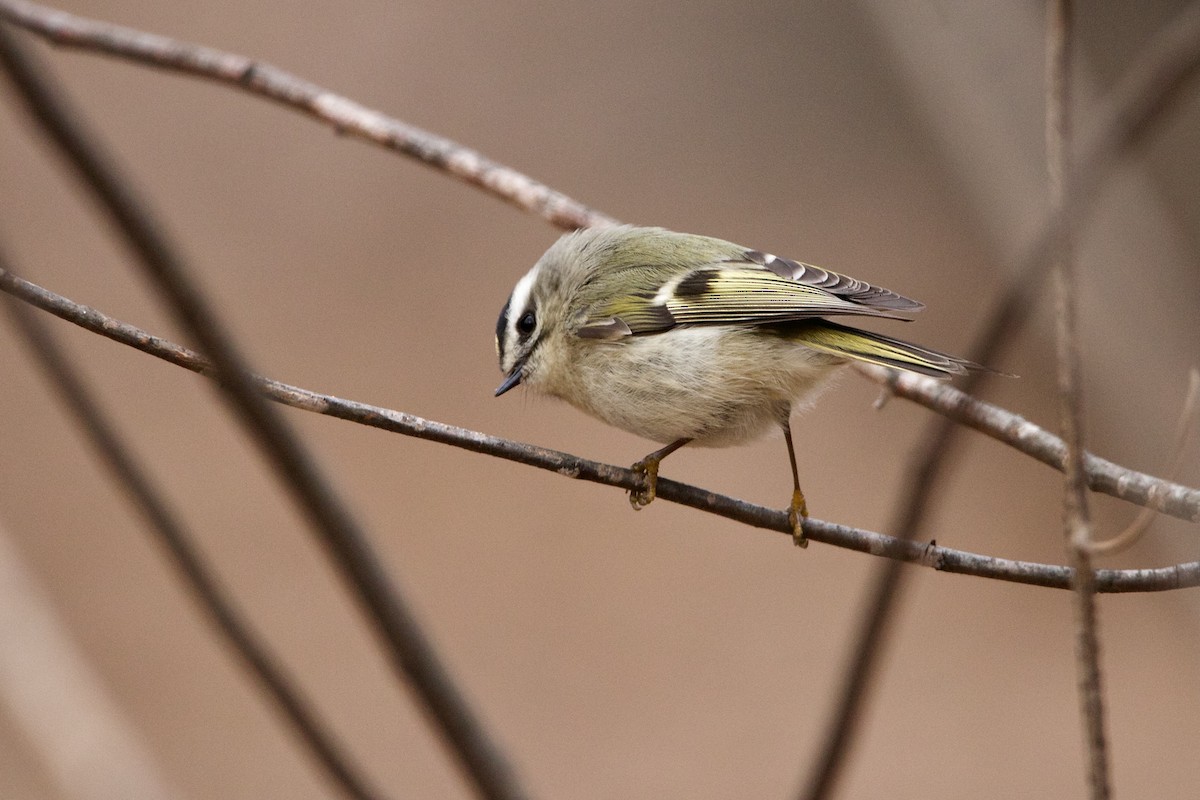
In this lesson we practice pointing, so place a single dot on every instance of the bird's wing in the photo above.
(753, 288)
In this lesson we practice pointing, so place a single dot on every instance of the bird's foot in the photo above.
(796, 514)
(644, 496)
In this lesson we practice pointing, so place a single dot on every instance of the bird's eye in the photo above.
(526, 323)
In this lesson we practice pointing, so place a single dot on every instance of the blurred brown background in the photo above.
(660, 654)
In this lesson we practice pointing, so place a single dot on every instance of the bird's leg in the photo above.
(798, 510)
(648, 467)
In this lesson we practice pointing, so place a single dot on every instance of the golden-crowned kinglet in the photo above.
(688, 339)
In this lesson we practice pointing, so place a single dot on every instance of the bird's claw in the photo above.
(797, 511)
(644, 496)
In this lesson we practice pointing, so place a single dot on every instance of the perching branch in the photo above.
(411, 653)
(171, 533)
(341, 113)
(1179, 576)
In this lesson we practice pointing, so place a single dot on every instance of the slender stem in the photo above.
(1076, 523)
(411, 652)
(171, 533)
(1103, 476)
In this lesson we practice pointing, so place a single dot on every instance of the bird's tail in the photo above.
(875, 348)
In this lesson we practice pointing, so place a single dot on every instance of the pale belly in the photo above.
(716, 386)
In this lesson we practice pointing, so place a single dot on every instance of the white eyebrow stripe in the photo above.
(519, 302)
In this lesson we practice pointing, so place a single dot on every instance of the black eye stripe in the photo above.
(502, 328)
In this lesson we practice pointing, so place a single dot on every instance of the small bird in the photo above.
(685, 339)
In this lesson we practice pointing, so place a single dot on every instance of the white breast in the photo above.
(718, 386)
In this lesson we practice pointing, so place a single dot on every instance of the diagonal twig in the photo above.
(167, 527)
(411, 653)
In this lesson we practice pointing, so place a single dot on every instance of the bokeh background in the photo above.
(661, 654)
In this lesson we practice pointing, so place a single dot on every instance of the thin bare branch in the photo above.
(1059, 46)
(411, 652)
(941, 558)
(1012, 429)
(1150, 88)
(171, 533)
(341, 113)
(1077, 528)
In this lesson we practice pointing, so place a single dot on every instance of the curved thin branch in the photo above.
(1179, 576)
(169, 530)
(341, 113)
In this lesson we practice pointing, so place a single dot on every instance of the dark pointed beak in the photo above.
(512, 380)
